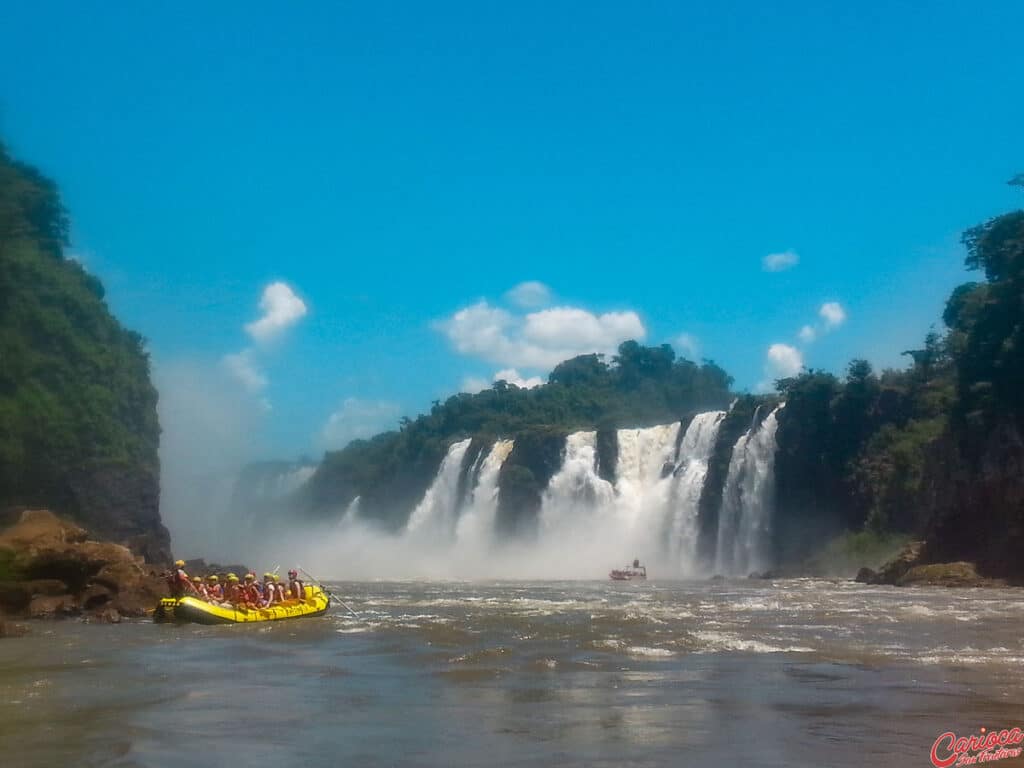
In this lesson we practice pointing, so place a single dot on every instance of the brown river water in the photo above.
(746, 673)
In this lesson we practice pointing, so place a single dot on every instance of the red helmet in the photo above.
(293, 574)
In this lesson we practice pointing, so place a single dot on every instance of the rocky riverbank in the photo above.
(51, 568)
(911, 568)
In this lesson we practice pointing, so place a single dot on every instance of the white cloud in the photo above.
(530, 295)
(540, 339)
(281, 309)
(243, 368)
(474, 384)
(512, 376)
(807, 334)
(782, 361)
(779, 262)
(687, 345)
(357, 419)
(833, 314)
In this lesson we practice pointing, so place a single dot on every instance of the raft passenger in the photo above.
(296, 589)
(253, 593)
(178, 581)
(235, 594)
(269, 593)
(200, 588)
(214, 589)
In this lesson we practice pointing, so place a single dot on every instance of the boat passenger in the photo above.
(178, 581)
(279, 592)
(200, 588)
(253, 593)
(235, 593)
(296, 589)
(214, 589)
(269, 593)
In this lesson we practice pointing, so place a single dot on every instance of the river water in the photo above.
(788, 673)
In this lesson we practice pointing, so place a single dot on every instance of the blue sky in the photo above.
(393, 165)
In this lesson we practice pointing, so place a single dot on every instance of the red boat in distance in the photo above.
(634, 572)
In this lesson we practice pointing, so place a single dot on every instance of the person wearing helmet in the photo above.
(178, 581)
(269, 593)
(253, 593)
(235, 593)
(279, 593)
(214, 589)
(296, 589)
(200, 588)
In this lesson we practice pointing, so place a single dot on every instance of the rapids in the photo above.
(789, 673)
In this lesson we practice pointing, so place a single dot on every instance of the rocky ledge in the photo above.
(911, 569)
(51, 568)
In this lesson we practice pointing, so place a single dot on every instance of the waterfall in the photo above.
(476, 523)
(748, 500)
(692, 469)
(650, 511)
(438, 510)
(575, 493)
(643, 477)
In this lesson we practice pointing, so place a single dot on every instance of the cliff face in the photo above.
(974, 492)
(78, 422)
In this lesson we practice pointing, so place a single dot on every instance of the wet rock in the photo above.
(14, 596)
(52, 607)
(95, 596)
(894, 570)
(64, 568)
(11, 628)
(109, 616)
(959, 574)
(866, 576)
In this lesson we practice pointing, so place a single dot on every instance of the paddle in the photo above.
(327, 591)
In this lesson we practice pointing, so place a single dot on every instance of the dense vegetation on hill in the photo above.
(933, 450)
(78, 423)
(640, 386)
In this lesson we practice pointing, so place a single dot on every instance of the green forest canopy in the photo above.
(75, 390)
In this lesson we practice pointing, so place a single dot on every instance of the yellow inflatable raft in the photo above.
(193, 609)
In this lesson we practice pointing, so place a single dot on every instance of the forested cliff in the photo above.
(78, 421)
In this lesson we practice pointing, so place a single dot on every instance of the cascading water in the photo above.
(748, 500)
(476, 522)
(437, 512)
(651, 509)
(586, 524)
(643, 477)
(691, 471)
(575, 493)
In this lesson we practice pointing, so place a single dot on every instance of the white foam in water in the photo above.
(639, 650)
(724, 641)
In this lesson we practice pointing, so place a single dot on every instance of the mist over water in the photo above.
(586, 524)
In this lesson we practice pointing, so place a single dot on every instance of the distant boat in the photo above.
(629, 573)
